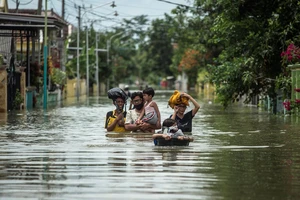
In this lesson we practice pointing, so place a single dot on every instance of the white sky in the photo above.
(104, 12)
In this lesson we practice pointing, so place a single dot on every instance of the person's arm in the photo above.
(158, 124)
(112, 126)
(141, 116)
(132, 127)
(156, 135)
(174, 113)
(196, 105)
(146, 127)
(108, 114)
(130, 124)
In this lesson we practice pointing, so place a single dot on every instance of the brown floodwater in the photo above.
(64, 153)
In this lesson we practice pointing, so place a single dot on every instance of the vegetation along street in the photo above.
(236, 46)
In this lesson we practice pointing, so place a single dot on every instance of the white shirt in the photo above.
(131, 116)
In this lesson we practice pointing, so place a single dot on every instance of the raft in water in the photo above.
(160, 141)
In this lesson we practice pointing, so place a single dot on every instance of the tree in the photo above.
(190, 63)
(252, 34)
(160, 46)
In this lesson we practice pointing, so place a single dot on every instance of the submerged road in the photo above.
(64, 153)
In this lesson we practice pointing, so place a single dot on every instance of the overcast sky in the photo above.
(102, 11)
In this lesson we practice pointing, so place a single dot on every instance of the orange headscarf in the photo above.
(176, 99)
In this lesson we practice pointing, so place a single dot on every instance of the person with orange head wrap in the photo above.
(179, 102)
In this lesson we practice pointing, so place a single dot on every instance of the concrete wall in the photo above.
(71, 90)
(102, 89)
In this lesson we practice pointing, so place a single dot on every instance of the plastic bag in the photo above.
(115, 93)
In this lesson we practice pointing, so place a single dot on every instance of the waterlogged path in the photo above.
(240, 153)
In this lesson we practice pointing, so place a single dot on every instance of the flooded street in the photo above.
(64, 153)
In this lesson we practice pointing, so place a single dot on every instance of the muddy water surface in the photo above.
(64, 153)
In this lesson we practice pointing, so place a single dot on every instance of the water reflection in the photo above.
(64, 153)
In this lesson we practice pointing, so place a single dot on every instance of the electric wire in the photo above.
(23, 4)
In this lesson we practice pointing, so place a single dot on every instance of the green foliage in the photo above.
(248, 31)
(203, 77)
(234, 79)
(239, 44)
(18, 100)
(70, 69)
(283, 83)
(134, 55)
(71, 65)
(159, 48)
(58, 76)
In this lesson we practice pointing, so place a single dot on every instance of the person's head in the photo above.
(171, 124)
(119, 103)
(148, 93)
(137, 100)
(181, 108)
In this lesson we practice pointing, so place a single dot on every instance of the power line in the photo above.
(22, 4)
(178, 4)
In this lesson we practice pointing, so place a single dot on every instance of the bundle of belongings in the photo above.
(177, 99)
(115, 93)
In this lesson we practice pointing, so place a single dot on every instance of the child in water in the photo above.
(150, 113)
(172, 131)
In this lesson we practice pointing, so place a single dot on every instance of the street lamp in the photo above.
(108, 44)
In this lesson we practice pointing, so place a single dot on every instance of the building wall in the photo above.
(71, 88)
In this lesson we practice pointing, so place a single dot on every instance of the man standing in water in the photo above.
(133, 115)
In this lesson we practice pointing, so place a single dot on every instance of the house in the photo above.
(21, 42)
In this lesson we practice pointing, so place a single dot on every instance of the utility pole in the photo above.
(45, 90)
(97, 65)
(40, 4)
(87, 63)
(78, 32)
(78, 48)
(39, 12)
(63, 10)
(107, 63)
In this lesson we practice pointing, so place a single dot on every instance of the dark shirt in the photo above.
(185, 124)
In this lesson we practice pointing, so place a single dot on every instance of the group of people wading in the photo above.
(144, 115)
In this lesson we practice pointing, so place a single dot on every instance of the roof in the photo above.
(17, 21)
